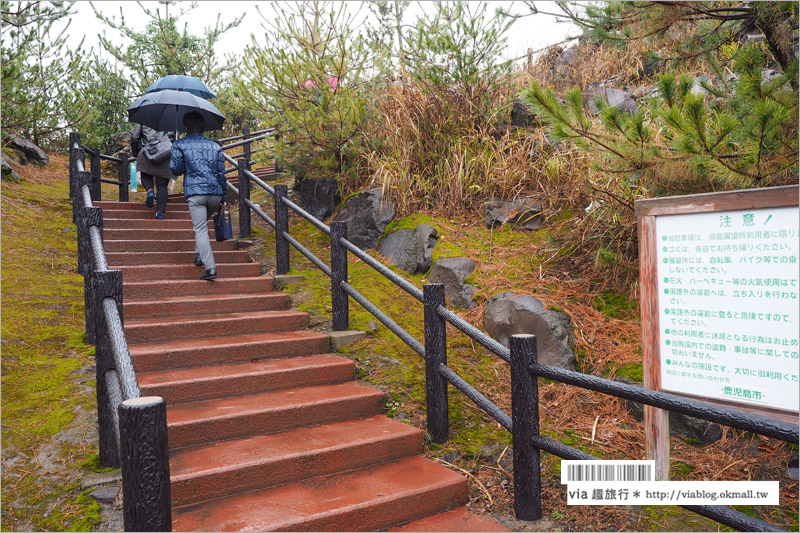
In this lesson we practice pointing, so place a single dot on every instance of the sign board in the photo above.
(719, 297)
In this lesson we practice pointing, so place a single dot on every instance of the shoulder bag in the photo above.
(222, 224)
(159, 151)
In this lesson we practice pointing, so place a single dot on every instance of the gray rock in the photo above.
(697, 84)
(680, 425)
(523, 213)
(522, 117)
(768, 75)
(319, 196)
(105, 494)
(120, 142)
(452, 271)
(565, 63)
(8, 173)
(508, 314)
(367, 214)
(623, 100)
(410, 250)
(27, 151)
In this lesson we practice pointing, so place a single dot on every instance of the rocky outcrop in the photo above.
(525, 213)
(8, 173)
(452, 271)
(509, 314)
(319, 196)
(410, 249)
(27, 152)
(623, 100)
(367, 214)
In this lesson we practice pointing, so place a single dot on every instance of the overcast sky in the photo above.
(531, 32)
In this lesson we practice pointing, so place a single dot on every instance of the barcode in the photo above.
(577, 471)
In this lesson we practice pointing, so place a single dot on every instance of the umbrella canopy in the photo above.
(164, 111)
(176, 82)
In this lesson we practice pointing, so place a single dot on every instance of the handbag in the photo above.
(222, 225)
(160, 151)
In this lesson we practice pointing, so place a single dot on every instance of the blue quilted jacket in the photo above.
(201, 162)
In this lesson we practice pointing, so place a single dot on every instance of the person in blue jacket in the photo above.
(202, 163)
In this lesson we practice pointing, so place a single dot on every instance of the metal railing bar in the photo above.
(92, 151)
(87, 196)
(114, 399)
(475, 334)
(305, 251)
(242, 143)
(96, 241)
(110, 158)
(119, 346)
(259, 212)
(308, 216)
(107, 180)
(720, 513)
(385, 320)
(723, 415)
(391, 276)
(231, 187)
(230, 169)
(489, 407)
(260, 182)
(226, 139)
(237, 156)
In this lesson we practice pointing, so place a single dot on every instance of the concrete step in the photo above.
(223, 381)
(118, 259)
(186, 272)
(151, 245)
(456, 520)
(203, 473)
(148, 223)
(204, 422)
(137, 206)
(145, 214)
(191, 287)
(154, 235)
(230, 349)
(370, 499)
(204, 304)
(144, 331)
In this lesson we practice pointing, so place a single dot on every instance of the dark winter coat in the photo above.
(141, 137)
(202, 164)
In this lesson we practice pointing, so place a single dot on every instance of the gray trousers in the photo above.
(201, 207)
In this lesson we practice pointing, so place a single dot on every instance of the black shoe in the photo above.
(211, 274)
(197, 261)
(150, 197)
(159, 216)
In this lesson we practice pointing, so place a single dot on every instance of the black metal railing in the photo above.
(132, 428)
(523, 422)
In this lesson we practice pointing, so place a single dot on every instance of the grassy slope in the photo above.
(45, 388)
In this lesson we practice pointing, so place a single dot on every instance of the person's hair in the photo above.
(194, 122)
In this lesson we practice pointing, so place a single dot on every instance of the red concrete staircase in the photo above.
(267, 430)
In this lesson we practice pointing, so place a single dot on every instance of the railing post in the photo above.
(92, 216)
(244, 194)
(339, 301)
(95, 170)
(435, 356)
(124, 176)
(247, 151)
(75, 155)
(281, 225)
(278, 166)
(105, 284)
(524, 424)
(146, 502)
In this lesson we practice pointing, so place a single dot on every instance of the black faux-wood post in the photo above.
(246, 152)
(146, 502)
(278, 166)
(75, 154)
(124, 176)
(105, 284)
(524, 424)
(435, 356)
(281, 225)
(339, 301)
(95, 170)
(244, 194)
(92, 216)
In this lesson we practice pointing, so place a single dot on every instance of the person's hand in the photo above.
(224, 204)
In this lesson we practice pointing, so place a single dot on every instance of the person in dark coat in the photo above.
(158, 172)
(202, 164)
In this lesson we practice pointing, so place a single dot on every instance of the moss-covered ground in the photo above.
(47, 370)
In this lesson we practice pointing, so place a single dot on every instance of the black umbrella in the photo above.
(178, 82)
(164, 111)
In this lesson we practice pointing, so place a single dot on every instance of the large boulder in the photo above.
(508, 314)
(623, 100)
(27, 152)
(525, 213)
(120, 142)
(8, 173)
(410, 249)
(367, 214)
(319, 196)
(452, 271)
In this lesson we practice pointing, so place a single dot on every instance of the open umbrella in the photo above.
(177, 82)
(164, 111)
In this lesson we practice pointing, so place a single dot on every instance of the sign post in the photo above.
(719, 297)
